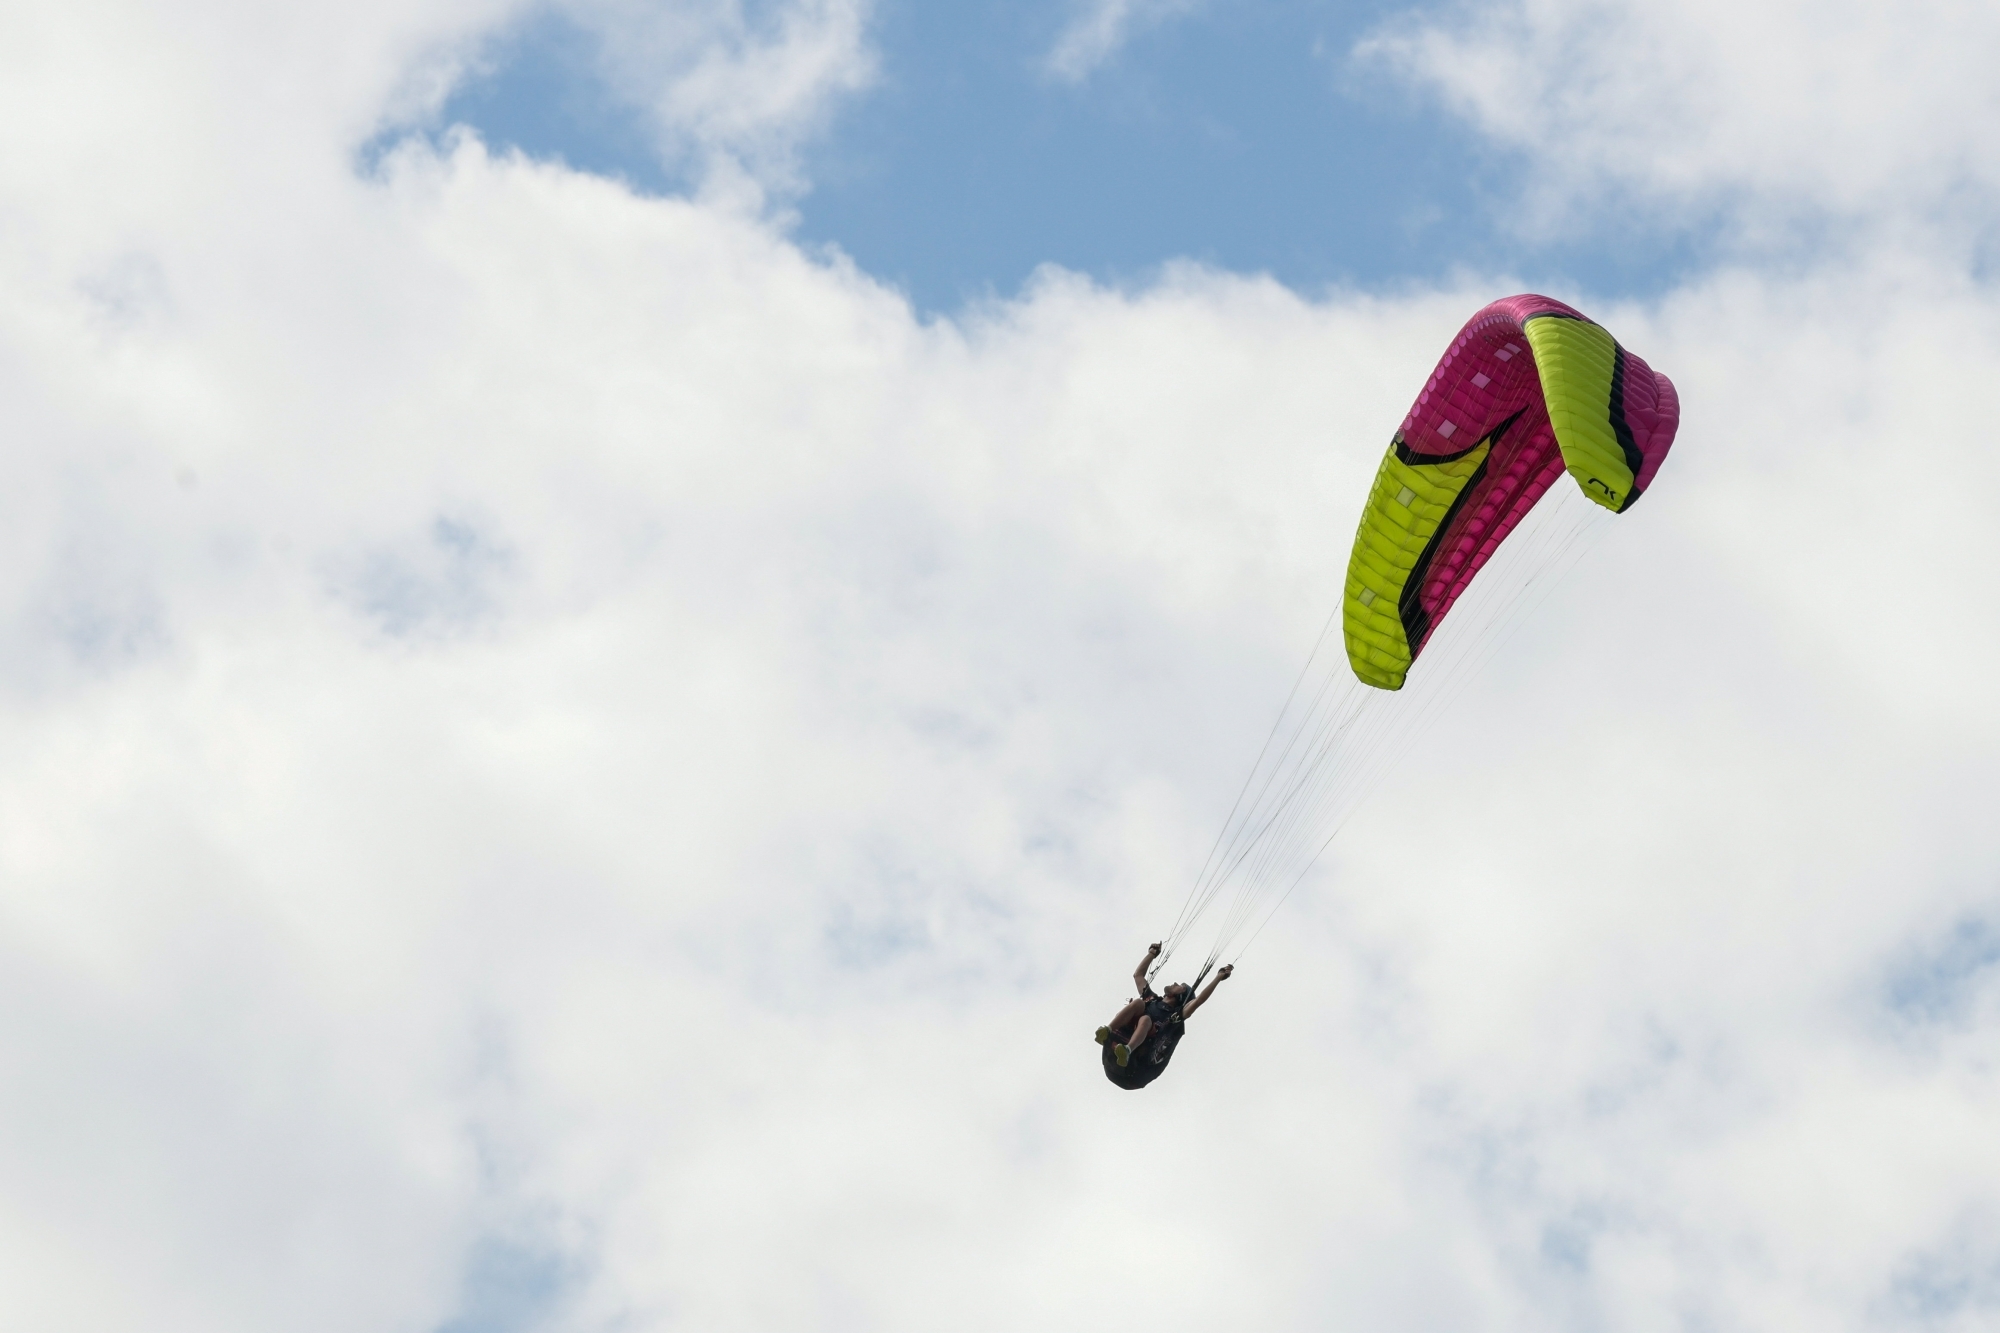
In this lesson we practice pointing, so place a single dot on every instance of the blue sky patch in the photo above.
(1243, 136)
(1939, 1286)
(508, 1288)
(539, 87)
(444, 583)
(1938, 984)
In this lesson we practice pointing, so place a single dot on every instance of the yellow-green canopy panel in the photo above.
(1528, 390)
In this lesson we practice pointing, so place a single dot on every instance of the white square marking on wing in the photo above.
(1368, 597)
(1447, 429)
(1404, 497)
(1480, 381)
(1504, 354)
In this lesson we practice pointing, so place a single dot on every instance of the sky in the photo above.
(622, 618)
(991, 139)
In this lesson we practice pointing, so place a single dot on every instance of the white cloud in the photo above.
(738, 87)
(1773, 112)
(727, 90)
(570, 765)
(1101, 28)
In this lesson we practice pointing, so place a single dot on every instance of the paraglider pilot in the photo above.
(1140, 1038)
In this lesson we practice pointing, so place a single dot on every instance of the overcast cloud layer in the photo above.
(571, 766)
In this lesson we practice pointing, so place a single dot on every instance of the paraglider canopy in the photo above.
(1527, 390)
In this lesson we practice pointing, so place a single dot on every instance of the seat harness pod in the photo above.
(1148, 1062)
